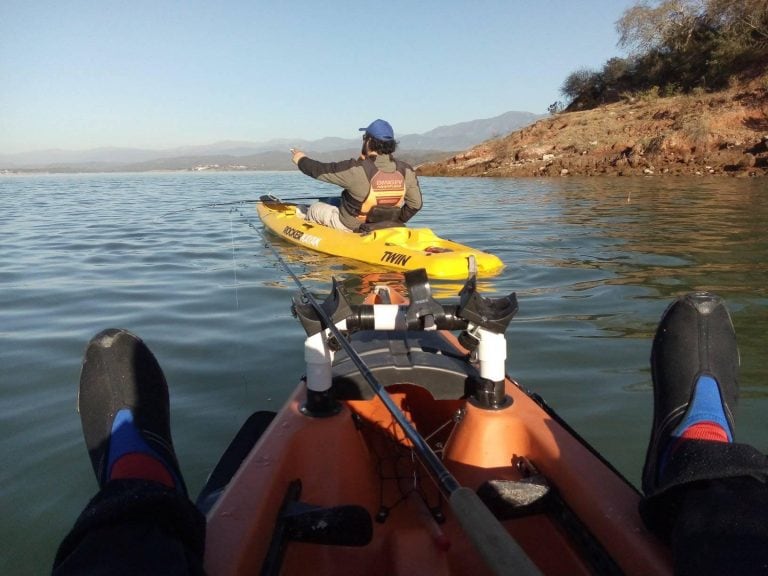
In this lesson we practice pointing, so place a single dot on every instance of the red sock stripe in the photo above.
(138, 466)
(705, 431)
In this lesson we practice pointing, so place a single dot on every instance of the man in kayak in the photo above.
(379, 191)
(706, 495)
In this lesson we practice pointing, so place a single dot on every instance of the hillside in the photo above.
(722, 133)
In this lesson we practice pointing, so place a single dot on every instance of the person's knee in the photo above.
(326, 215)
(320, 213)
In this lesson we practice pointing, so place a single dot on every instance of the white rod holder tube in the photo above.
(492, 353)
(319, 357)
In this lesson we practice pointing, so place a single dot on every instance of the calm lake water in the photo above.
(594, 263)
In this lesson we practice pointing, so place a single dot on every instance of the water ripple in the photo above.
(594, 263)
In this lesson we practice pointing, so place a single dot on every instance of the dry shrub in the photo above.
(698, 131)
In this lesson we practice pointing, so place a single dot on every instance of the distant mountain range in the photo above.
(270, 155)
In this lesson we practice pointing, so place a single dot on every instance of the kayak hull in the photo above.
(359, 456)
(398, 248)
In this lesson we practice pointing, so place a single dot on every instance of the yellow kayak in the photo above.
(397, 248)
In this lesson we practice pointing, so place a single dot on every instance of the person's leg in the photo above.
(714, 527)
(134, 527)
(705, 494)
(141, 521)
(327, 215)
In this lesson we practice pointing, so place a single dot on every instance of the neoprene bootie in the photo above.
(124, 410)
(694, 365)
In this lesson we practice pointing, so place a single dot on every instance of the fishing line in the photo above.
(234, 260)
(239, 348)
(210, 205)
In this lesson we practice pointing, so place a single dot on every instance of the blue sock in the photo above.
(704, 420)
(706, 406)
(131, 457)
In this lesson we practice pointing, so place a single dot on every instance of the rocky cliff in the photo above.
(723, 133)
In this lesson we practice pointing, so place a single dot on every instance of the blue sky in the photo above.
(80, 74)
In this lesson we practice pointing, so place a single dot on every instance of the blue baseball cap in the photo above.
(380, 129)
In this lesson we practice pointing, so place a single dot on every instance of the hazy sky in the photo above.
(79, 74)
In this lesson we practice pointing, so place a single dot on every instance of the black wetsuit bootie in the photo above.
(124, 409)
(694, 365)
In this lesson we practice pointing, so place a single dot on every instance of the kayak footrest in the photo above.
(509, 499)
(348, 525)
(345, 525)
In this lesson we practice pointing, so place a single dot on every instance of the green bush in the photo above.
(677, 46)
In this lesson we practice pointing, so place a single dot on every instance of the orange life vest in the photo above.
(387, 190)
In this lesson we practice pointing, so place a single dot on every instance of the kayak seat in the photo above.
(423, 359)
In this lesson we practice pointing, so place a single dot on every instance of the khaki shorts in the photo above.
(326, 215)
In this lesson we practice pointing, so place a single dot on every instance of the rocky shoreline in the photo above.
(723, 133)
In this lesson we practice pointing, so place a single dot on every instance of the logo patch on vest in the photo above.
(387, 182)
(387, 190)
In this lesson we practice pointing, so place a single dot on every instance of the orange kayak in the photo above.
(331, 484)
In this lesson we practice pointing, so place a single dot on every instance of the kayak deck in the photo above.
(397, 248)
(569, 510)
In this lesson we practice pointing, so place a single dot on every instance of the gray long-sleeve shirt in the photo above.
(354, 176)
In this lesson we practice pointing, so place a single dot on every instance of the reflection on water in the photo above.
(669, 241)
(358, 286)
(316, 268)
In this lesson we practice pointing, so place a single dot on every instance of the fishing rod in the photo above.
(501, 552)
(245, 201)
